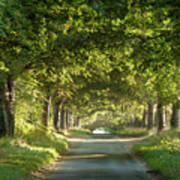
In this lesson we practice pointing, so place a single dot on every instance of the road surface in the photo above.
(100, 157)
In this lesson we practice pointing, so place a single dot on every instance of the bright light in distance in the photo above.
(100, 131)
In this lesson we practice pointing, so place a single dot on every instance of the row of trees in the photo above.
(80, 56)
(131, 113)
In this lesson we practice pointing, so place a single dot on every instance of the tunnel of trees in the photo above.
(78, 63)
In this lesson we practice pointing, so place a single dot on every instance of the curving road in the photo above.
(100, 158)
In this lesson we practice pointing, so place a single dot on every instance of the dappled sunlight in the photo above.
(19, 158)
(100, 157)
(99, 139)
(85, 156)
(162, 153)
(104, 74)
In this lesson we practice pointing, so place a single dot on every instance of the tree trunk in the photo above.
(67, 120)
(156, 118)
(161, 117)
(145, 118)
(136, 122)
(55, 116)
(132, 121)
(56, 109)
(175, 119)
(7, 111)
(71, 120)
(62, 123)
(150, 116)
(78, 121)
(74, 121)
(2, 123)
(46, 111)
(164, 116)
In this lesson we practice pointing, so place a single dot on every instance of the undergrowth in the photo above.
(23, 155)
(162, 153)
(130, 132)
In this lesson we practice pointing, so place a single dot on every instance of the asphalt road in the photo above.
(100, 158)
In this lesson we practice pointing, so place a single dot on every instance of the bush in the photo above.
(162, 153)
(47, 139)
(21, 156)
(130, 132)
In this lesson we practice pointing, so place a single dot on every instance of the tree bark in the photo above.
(161, 117)
(74, 121)
(71, 120)
(2, 123)
(164, 116)
(150, 116)
(46, 111)
(57, 109)
(67, 120)
(145, 118)
(62, 122)
(56, 115)
(175, 119)
(7, 111)
(78, 121)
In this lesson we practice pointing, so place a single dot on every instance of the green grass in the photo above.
(162, 153)
(130, 132)
(47, 139)
(19, 157)
(78, 131)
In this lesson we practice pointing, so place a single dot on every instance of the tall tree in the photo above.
(175, 119)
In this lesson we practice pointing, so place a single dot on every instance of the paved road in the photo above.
(100, 158)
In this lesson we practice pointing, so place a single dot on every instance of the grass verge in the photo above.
(162, 153)
(78, 131)
(19, 157)
(130, 132)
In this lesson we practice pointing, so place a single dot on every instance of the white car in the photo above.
(100, 131)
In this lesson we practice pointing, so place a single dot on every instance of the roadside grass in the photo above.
(78, 131)
(130, 132)
(162, 153)
(47, 139)
(19, 157)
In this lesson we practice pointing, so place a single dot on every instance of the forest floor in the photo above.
(100, 157)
